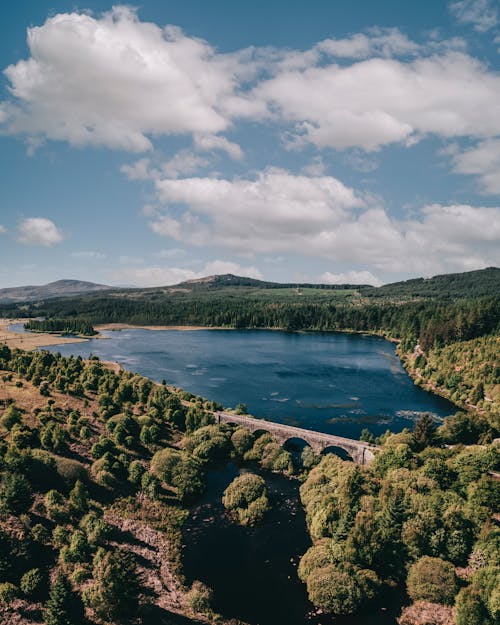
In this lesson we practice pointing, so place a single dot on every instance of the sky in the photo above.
(337, 142)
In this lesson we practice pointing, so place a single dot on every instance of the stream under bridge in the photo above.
(359, 451)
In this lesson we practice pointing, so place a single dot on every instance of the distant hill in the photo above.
(480, 283)
(60, 288)
(230, 280)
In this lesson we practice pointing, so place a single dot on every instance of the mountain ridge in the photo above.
(58, 288)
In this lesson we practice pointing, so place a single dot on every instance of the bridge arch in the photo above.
(342, 453)
(296, 444)
(359, 451)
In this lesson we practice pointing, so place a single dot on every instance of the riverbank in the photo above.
(114, 327)
(32, 340)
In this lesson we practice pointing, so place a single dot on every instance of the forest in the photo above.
(62, 326)
(93, 458)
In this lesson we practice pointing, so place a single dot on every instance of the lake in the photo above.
(329, 382)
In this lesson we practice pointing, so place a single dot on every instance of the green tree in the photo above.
(116, 589)
(33, 584)
(247, 498)
(470, 609)
(64, 606)
(432, 579)
(424, 432)
(79, 498)
(15, 493)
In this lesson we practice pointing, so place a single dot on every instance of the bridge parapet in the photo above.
(360, 452)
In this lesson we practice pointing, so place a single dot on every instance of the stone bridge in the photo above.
(360, 452)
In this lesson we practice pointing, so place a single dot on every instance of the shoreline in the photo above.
(32, 340)
(116, 327)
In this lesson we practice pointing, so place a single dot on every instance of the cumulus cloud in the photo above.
(39, 231)
(482, 14)
(118, 82)
(163, 276)
(3, 229)
(385, 42)
(483, 161)
(88, 255)
(379, 101)
(319, 217)
(350, 277)
(137, 80)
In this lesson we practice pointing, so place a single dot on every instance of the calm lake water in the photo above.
(330, 382)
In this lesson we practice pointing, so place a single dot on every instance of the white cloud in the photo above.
(39, 231)
(118, 82)
(379, 101)
(318, 217)
(275, 203)
(350, 277)
(3, 229)
(183, 163)
(163, 276)
(215, 142)
(482, 14)
(88, 255)
(137, 81)
(384, 42)
(482, 160)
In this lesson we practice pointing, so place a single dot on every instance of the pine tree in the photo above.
(64, 607)
(117, 586)
(424, 432)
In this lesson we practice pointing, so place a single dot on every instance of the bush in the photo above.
(8, 592)
(432, 579)
(341, 591)
(470, 609)
(246, 497)
(32, 584)
(15, 493)
(200, 598)
(10, 417)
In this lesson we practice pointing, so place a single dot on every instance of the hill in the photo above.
(480, 283)
(60, 288)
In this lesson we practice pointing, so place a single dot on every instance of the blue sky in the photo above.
(330, 141)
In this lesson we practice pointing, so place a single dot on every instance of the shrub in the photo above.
(8, 592)
(470, 609)
(32, 584)
(341, 591)
(15, 493)
(432, 579)
(200, 597)
(246, 497)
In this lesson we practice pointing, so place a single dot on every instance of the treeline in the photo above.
(430, 323)
(65, 326)
(482, 283)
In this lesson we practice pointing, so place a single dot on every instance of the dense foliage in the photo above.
(414, 518)
(246, 497)
(89, 455)
(85, 449)
(65, 326)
